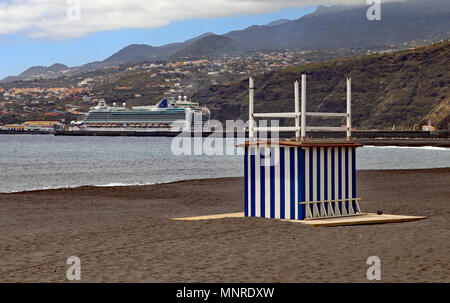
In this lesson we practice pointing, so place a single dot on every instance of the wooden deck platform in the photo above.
(210, 217)
(369, 218)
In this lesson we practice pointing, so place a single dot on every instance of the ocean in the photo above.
(30, 162)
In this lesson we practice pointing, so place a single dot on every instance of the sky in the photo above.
(18, 52)
(75, 32)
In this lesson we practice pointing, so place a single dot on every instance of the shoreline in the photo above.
(195, 179)
(410, 142)
(124, 234)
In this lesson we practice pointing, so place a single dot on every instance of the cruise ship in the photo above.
(167, 115)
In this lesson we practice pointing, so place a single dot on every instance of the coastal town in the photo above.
(45, 100)
(67, 99)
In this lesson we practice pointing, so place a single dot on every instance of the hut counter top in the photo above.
(307, 143)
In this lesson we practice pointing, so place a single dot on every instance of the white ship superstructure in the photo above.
(167, 115)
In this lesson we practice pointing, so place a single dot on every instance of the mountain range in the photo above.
(403, 89)
(332, 27)
(348, 27)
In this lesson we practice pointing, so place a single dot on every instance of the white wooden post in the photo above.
(250, 110)
(299, 114)
(349, 108)
(297, 110)
(303, 113)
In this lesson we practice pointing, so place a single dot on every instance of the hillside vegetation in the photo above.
(404, 89)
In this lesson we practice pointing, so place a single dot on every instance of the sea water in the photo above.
(29, 162)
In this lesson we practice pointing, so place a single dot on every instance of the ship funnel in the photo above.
(185, 98)
(124, 104)
(179, 98)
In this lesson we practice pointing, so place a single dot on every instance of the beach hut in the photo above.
(301, 178)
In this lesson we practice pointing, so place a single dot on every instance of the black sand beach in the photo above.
(124, 234)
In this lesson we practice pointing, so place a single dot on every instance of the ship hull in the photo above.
(165, 116)
(129, 129)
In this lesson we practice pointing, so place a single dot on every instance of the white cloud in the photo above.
(49, 18)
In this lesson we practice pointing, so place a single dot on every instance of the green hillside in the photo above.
(211, 45)
(404, 89)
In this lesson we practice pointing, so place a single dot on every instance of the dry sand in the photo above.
(123, 234)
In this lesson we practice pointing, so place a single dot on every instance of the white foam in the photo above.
(123, 184)
(411, 147)
(113, 184)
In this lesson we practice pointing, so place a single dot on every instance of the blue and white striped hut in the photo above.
(300, 179)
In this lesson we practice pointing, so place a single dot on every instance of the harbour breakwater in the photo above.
(23, 132)
(231, 134)
(366, 137)
(376, 138)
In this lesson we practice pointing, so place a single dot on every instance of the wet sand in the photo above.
(124, 234)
